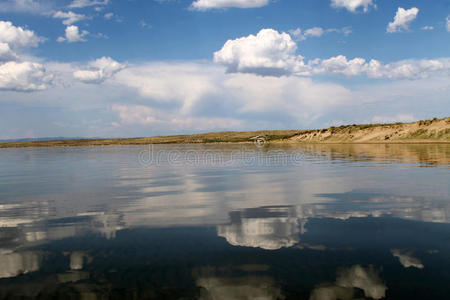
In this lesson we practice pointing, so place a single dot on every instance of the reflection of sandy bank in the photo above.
(13, 264)
(366, 279)
(266, 228)
(428, 154)
(242, 288)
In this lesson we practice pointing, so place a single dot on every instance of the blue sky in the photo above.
(138, 68)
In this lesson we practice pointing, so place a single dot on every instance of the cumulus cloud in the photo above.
(17, 37)
(73, 35)
(407, 258)
(271, 53)
(85, 3)
(408, 69)
(99, 70)
(448, 23)
(191, 90)
(268, 53)
(203, 5)
(202, 89)
(187, 96)
(16, 75)
(402, 19)
(68, 17)
(353, 5)
(6, 54)
(23, 76)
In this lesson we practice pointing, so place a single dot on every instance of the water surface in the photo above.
(225, 222)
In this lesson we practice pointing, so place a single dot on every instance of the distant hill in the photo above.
(58, 138)
(426, 131)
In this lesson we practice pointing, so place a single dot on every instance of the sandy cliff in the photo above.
(436, 130)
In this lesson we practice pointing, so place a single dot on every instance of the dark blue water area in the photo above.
(379, 258)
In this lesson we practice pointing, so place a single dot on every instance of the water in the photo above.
(225, 222)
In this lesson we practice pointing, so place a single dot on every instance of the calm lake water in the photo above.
(225, 222)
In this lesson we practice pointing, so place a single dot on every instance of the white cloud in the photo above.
(28, 6)
(14, 39)
(402, 19)
(268, 53)
(85, 3)
(23, 76)
(315, 31)
(203, 5)
(144, 24)
(187, 88)
(187, 96)
(297, 34)
(145, 115)
(68, 17)
(73, 35)
(136, 114)
(448, 23)
(427, 27)
(353, 5)
(408, 69)
(99, 70)
(6, 54)
(108, 16)
(407, 259)
(271, 53)
(17, 37)
(183, 83)
(300, 35)
(340, 65)
(16, 75)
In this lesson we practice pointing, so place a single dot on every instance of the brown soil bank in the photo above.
(428, 131)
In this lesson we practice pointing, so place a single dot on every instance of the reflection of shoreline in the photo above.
(429, 154)
(249, 287)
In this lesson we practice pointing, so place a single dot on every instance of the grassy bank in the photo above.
(428, 131)
(213, 137)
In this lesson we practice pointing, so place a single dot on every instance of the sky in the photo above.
(129, 68)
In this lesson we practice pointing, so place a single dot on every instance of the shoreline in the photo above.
(435, 131)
